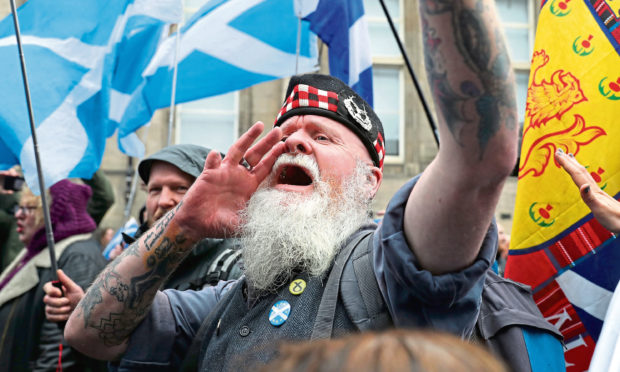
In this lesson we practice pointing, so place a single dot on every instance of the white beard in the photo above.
(286, 231)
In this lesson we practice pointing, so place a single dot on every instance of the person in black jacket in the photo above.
(30, 342)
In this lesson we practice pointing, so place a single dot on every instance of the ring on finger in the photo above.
(246, 164)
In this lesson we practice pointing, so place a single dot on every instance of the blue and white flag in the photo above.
(341, 25)
(71, 57)
(226, 46)
(129, 228)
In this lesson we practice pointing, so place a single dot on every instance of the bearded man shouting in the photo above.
(303, 203)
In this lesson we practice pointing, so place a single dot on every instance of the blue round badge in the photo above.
(279, 313)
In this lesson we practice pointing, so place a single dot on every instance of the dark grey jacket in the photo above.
(28, 342)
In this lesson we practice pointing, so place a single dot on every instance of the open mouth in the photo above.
(294, 175)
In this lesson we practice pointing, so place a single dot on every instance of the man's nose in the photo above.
(168, 198)
(298, 143)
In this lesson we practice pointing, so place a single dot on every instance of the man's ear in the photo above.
(374, 181)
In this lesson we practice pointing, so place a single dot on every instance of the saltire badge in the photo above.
(279, 313)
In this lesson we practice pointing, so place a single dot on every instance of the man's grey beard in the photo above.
(287, 232)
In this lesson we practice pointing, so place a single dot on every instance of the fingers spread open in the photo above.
(263, 146)
(238, 149)
(262, 170)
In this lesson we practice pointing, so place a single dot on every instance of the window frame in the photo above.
(524, 66)
(394, 61)
(180, 110)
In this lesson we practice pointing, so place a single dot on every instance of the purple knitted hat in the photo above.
(67, 212)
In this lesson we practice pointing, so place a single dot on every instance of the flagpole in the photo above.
(298, 42)
(134, 184)
(46, 212)
(174, 84)
(431, 121)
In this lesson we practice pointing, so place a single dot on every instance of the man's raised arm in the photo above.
(452, 205)
(123, 293)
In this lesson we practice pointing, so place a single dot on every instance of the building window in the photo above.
(519, 24)
(387, 74)
(387, 80)
(211, 122)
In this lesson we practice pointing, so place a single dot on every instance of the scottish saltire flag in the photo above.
(72, 55)
(129, 228)
(573, 103)
(226, 46)
(341, 24)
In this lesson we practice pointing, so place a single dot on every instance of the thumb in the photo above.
(69, 284)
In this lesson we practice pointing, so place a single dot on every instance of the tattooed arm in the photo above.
(452, 205)
(123, 293)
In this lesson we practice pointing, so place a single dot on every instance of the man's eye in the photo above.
(154, 191)
(283, 139)
(322, 138)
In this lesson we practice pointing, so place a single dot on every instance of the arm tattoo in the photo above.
(493, 95)
(134, 294)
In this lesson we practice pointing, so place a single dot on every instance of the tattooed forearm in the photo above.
(482, 51)
(156, 232)
(132, 294)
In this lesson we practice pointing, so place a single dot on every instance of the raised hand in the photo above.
(211, 206)
(58, 308)
(605, 208)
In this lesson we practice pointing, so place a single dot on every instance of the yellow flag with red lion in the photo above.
(571, 262)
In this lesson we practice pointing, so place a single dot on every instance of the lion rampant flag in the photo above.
(571, 262)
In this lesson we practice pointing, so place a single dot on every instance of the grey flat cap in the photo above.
(188, 158)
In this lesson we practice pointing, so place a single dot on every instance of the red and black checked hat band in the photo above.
(324, 95)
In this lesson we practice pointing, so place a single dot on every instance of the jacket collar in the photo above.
(28, 277)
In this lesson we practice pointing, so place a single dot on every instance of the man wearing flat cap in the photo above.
(167, 175)
(301, 211)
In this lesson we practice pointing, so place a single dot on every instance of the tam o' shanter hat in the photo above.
(324, 95)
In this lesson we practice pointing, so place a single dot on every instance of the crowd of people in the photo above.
(266, 258)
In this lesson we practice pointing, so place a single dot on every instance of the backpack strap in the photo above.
(360, 292)
(222, 265)
(324, 322)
